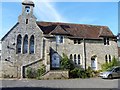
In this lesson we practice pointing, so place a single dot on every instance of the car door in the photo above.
(115, 72)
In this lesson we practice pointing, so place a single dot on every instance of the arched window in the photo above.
(75, 59)
(109, 58)
(106, 59)
(71, 57)
(19, 42)
(25, 44)
(32, 44)
(78, 59)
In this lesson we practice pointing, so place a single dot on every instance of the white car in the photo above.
(111, 73)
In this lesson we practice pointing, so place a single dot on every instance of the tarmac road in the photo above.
(71, 83)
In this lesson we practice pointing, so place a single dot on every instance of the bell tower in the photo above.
(27, 12)
(27, 7)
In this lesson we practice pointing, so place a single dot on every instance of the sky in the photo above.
(92, 12)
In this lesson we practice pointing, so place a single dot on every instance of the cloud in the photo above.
(46, 11)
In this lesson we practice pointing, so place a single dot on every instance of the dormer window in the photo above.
(27, 9)
(59, 39)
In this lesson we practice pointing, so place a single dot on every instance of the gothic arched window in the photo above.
(106, 58)
(109, 58)
(75, 59)
(71, 57)
(78, 59)
(19, 42)
(25, 44)
(32, 44)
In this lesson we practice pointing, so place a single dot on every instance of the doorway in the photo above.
(94, 62)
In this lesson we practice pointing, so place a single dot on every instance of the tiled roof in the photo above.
(75, 30)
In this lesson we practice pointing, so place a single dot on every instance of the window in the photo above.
(19, 42)
(106, 59)
(79, 42)
(106, 41)
(78, 59)
(26, 21)
(59, 39)
(27, 8)
(25, 44)
(75, 41)
(109, 58)
(32, 44)
(75, 59)
(71, 57)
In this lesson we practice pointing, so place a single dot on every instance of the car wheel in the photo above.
(110, 76)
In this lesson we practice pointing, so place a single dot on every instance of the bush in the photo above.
(41, 71)
(31, 73)
(78, 73)
(66, 63)
(114, 62)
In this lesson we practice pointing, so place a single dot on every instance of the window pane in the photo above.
(25, 44)
(78, 59)
(75, 59)
(109, 58)
(71, 57)
(78, 41)
(107, 41)
(32, 44)
(104, 41)
(19, 42)
(75, 41)
(106, 59)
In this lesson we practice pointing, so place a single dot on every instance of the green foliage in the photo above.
(78, 73)
(41, 71)
(114, 62)
(66, 63)
(31, 73)
(75, 72)
(81, 73)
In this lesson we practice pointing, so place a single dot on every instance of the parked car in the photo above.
(113, 72)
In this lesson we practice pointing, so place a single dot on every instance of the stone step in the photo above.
(56, 74)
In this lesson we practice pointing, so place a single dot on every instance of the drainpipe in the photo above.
(84, 53)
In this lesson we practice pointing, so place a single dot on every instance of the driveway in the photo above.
(71, 83)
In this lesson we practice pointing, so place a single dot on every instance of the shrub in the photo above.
(114, 62)
(66, 63)
(31, 73)
(41, 71)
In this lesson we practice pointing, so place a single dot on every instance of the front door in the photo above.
(94, 63)
(55, 61)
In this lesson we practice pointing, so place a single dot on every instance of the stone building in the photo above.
(31, 43)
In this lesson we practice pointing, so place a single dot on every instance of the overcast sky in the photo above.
(96, 13)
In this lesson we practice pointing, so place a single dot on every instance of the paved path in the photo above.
(72, 83)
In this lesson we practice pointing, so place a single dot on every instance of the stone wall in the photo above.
(56, 74)
(93, 47)
(9, 43)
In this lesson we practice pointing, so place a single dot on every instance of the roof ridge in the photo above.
(69, 23)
